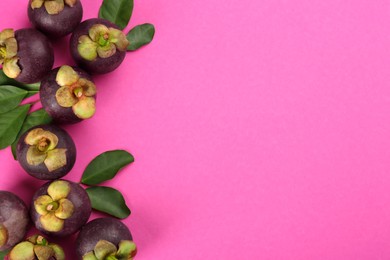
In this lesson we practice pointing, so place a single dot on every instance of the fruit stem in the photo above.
(43, 144)
(78, 92)
(103, 40)
(52, 206)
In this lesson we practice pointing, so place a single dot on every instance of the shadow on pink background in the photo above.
(260, 129)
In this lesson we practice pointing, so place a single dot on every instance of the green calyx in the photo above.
(36, 247)
(102, 42)
(52, 6)
(105, 250)
(43, 149)
(8, 53)
(54, 208)
(75, 92)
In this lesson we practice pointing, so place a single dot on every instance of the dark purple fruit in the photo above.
(46, 152)
(103, 237)
(26, 54)
(36, 247)
(55, 18)
(14, 220)
(98, 46)
(68, 95)
(60, 208)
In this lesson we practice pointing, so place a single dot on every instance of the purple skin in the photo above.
(47, 92)
(58, 25)
(14, 217)
(100, 65)
(40, 171)
(36, 56)
(109, 229)
(82, 210)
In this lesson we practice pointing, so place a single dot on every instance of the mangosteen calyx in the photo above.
(105, 250)
(42, 149)
(75, 92)
(52, 6)
(102, 42)
(36, 247)
(8, 53)
(54, 207)
(3, 235)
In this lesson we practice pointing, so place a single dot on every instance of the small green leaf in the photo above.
(39, 117)
(10, 97)
(108, 200)
(3, 254)
(117, 11)
(4, 80)
(10, 125)
(105, 166)
(140, 35)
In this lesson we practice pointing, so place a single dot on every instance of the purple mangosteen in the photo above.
(36, 247)
(14, 220)
(98, 46)
(60, 208)
(105, 239)
(68, 95)
(46, 152)
(55, 18)
(26, 54)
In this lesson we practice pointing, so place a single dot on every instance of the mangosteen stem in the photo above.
(111, 257)
(41, 241)
(103, 40)
(52, 206)
(43, 144)
(78, 92)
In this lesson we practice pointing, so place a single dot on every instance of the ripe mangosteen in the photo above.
(105, 238)
(46, 152)
(60, 208)
(36, 247)
(98, 46)
(26, 54)
(68, 95)
(14, 220)
(55, 18)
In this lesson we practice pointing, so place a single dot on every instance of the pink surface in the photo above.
(260, 129)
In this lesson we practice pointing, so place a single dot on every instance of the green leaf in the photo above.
(10, 97)
(140, 35)
(4, 253)
(10, 124)
(117, 11)
(4, 80)
(105, 166)
(108, 200)
(39, 117)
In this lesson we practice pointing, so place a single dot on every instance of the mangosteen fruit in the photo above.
(68, 95)
(26, 54)
(36, 247)
(46, 152)
(98, 46)
(60, 208)
(105, 239)
(14, 220)
(55, 18)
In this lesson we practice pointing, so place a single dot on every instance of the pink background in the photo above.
(260, 129)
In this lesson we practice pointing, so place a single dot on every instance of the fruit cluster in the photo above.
(60, 208)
